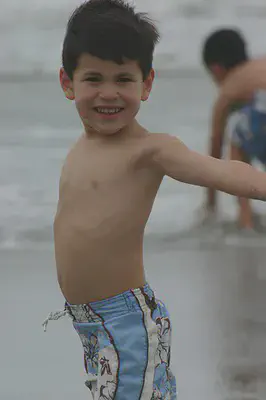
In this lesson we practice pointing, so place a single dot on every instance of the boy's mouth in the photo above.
(108, 110)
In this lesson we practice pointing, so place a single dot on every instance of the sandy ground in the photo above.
(216, 299)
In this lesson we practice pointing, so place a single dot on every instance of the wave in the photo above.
(32, 32)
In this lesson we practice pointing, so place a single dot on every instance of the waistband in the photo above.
(133, 300)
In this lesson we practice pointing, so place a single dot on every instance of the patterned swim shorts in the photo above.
(126, 341)
(249, 129)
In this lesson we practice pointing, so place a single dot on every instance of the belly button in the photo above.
(94, 184)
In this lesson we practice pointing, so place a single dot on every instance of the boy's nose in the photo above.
(108, 92)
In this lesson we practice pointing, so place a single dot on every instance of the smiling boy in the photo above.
(108, 185)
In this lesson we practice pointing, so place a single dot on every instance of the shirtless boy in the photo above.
(108, 185)
(242, 89)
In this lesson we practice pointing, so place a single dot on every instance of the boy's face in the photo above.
(107, 95)
(218, 73)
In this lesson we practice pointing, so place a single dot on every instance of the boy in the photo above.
(242, 85)
(108, 185)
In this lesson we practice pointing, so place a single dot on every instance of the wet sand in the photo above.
(216, 299)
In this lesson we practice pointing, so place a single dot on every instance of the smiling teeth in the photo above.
(108, 110)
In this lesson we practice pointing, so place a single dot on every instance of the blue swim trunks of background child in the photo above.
(127, 343)
(249, 131)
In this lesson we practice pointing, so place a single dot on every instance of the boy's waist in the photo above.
(95, 283)
(131, 300)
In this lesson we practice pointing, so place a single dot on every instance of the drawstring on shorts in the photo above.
(54, 316)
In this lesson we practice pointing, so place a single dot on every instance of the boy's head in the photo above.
(107, 63)
(222, 51)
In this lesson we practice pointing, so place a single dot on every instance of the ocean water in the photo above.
(32, 32)
(38, 125)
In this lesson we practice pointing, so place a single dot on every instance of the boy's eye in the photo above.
(124, 80)
(97, 79)
(93, 79)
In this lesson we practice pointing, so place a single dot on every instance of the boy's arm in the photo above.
(174, 159)
(218, 123)
(245, 218)
(219, 118)
(238, 87)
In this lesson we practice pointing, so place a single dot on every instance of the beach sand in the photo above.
(216, 300)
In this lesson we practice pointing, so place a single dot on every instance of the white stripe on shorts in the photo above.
(152, 333)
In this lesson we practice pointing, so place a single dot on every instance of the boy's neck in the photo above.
(130, 130)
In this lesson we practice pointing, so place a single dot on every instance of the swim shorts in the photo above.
(127, 342)
(249, 131)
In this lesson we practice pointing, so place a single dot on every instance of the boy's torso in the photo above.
(246, 87)
(107, 190)
(243, 81)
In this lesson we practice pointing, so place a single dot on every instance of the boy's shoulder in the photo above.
(244, 75)
(153, 140)
(143, 145)
(241, 81)
(150, 144)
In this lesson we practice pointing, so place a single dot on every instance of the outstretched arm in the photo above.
(176, 160)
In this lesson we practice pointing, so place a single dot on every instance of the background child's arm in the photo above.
(219, 118)
(245, 211)
(238, 88)
(174, 159)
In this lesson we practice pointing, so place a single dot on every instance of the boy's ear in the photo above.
(66, 84)
(218, 72)
(147, 85)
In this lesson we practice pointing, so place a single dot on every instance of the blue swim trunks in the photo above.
(127, 342)
(249, 132)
